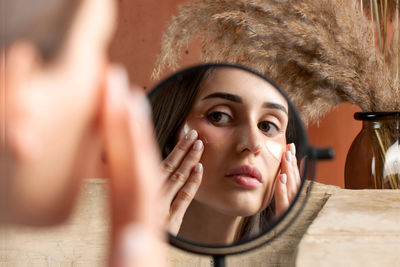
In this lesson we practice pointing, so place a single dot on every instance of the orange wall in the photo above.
(137, 42)
(138, 37)
(337, 129)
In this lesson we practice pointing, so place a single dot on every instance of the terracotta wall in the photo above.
(337, 129)
(137, 43)
(138, 37)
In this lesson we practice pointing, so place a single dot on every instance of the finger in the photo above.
(133, 160)
(183, 199)
(295, 167)
(287, 168)
(281, 197)
(125, 141)
(180, 176)
(172, 162)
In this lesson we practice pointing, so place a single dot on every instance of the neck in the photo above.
(203, 224)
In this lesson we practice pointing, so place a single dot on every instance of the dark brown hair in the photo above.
(171, 102)
(45, 23)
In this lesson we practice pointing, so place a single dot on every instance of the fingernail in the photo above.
(120, 90)
(288, 156)
(191, 136)
(198, 168)
(198, 145)
(292, 149)
(140, 103)
(117, 82)
(283, 178)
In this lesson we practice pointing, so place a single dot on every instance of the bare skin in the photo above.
(214, 209)
(61, 115)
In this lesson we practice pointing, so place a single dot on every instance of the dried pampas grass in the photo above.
(321, 52)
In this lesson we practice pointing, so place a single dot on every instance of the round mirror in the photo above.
(253, 151)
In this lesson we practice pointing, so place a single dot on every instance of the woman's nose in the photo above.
(249, 140)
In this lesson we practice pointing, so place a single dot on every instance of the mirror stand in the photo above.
(219, 260)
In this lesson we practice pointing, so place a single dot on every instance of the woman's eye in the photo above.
(218, 117)
(268, 127)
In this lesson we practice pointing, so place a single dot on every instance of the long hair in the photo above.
(171, 105)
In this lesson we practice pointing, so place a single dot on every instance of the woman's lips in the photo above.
(246, 176)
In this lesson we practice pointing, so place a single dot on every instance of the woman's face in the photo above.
(242, 121)
(52, 115)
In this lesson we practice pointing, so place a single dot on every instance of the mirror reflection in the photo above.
(229, 156)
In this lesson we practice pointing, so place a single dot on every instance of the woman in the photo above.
(235, 123)
(64, 101)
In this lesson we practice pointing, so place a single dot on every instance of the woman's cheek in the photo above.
(275, 149)
(208, 133)
(272, 156)
(276, 146)
(213, 135)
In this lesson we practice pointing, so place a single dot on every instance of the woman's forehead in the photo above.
(249, 87)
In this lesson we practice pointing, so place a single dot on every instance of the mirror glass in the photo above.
(252, 153)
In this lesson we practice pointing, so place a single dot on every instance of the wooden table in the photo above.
(337, 228)
(354, 228)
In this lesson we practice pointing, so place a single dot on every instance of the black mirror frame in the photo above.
(280, 225)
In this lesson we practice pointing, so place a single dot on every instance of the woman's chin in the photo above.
(235, 205)
(241, 211)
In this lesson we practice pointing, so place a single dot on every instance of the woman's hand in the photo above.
(288, 181)
(183, 173)
(133, 167)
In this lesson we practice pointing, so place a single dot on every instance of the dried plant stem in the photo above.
(378, 25)
(371, 11)
(378, 161)
(396, 48)
(386, 175)
(384, 30)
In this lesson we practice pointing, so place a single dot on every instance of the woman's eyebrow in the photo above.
(275, 106)
(230, 97)
(238, 99)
